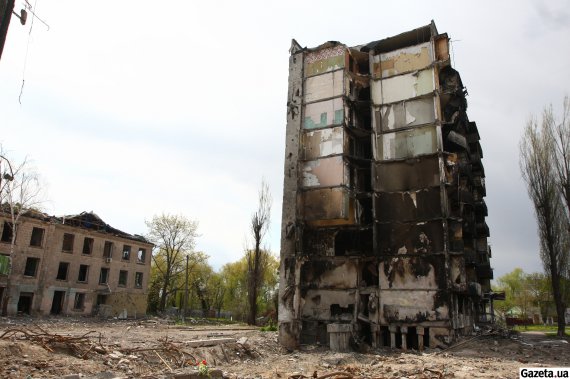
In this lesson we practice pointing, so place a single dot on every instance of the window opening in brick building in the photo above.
(126, 252)
(87, 245)
(123, 275)
(62, 271)
(31, 266)
(79, 302)
(68, 240)
(141, 255)
(25, 302)
(108, 249)
(7, 232)
(138, 279)
(104, 276)
(37, 237)
(83, 272)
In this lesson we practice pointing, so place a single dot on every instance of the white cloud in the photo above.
(131, 108)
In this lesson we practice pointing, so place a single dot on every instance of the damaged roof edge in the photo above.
(85, 220)
(90, 220)
(296, 47)
(409, 38)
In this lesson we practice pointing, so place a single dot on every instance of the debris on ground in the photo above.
(155, 349)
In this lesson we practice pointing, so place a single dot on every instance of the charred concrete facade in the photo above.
(384, 239)
(72, 265)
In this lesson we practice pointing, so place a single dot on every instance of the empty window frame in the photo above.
(68, 240)
(31, 268)
(123, 275)
(88, 245)
(7, 232)
(104, 276)
(37, 237)
(108, 249)
(62, 271)
(141, 255)
(126, 252)
(79, 302)
(83, 273)
(138, 279)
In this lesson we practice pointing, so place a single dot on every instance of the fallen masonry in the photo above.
(157, 349)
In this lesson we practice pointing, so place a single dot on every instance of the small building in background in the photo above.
(384, 239)
(72, 265)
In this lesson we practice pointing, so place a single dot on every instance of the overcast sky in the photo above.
(133, 108)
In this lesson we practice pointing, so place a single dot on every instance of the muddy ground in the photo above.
(154, 348)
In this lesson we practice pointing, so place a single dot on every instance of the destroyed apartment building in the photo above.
(73, 265)
(384, 239)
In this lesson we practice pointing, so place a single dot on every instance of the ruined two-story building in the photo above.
(384, 238)
(72, 265)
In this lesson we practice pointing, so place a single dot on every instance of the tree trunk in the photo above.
(164, 293)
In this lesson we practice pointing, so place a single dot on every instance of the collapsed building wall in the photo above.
(384, 237)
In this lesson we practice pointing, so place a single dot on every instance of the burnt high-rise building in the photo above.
(384, 239)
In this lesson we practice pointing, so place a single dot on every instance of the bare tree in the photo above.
(561, 131)
(257, 257)
(23, 195)
(20, 193)
(174, 237)
(540, 170)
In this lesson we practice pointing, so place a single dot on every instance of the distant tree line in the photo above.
(182, 278)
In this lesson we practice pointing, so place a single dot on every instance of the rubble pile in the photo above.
(88, 349)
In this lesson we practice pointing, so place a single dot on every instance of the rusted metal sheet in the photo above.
(324, 113)
(325, 172)
(324, 142)
(424, 204)
(324, 86)
(411, 58)
(324, 60)
(406, 175)
(402, 87)
(408, 143)
(405, 114)
(325, 204)
(401, 238)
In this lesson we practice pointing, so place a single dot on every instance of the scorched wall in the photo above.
(384, 239)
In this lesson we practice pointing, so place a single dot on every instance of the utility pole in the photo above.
(185, 292)
(6, 9)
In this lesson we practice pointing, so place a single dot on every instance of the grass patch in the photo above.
(549, 330)
(269, 328)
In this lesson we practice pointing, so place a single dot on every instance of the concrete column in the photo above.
(376, 335)
(393, 330)
(289, 323)
(404, 330)
(420, 331)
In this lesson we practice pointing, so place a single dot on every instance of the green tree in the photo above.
(516, 298)
(174, 237)
(234, 279)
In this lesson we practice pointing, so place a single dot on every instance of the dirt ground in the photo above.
(154, 348)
